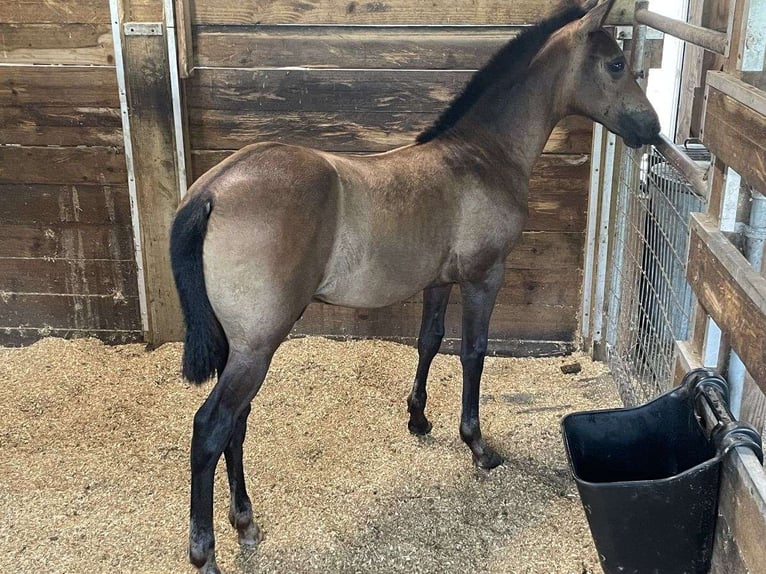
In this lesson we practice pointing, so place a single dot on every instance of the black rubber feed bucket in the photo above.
(648, 476)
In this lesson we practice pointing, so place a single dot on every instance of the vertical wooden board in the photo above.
(754, 406)
(739, 539)
(182, 17)
(150, 101)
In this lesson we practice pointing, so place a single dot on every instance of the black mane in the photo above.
(510, 62)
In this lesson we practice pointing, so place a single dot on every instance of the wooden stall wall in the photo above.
(67, 263)
(364, 77)
(729, 290)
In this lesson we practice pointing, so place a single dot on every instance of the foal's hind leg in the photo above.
(240, 509)
(214, 426)
(435, 301)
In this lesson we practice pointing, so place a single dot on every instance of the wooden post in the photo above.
(154, 161)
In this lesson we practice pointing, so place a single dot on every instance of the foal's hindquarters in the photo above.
(269, 235)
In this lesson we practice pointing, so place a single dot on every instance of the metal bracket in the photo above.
(142, 28)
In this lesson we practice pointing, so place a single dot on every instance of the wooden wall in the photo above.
(67, 264)
(367, 77)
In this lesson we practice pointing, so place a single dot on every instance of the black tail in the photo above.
(206, 348)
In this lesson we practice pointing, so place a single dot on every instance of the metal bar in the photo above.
(119, 64)
(696, 176)
(603, 247)
(638, 54)
(175, 88)
(590, 243)
(711, 40)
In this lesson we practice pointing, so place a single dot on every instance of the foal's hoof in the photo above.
(488, 460)
(250, 536)
(419, 425)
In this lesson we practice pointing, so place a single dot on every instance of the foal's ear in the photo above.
(596, 17)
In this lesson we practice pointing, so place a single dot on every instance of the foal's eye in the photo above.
(616, 68)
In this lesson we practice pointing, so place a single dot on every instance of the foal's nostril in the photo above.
(648, 124)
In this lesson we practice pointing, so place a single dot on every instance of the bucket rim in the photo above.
(716, 460)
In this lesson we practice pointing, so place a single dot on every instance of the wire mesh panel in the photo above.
(649, 301)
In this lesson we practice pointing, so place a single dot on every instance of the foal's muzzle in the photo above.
(639, 129)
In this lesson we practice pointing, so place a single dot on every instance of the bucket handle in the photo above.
(704, 386)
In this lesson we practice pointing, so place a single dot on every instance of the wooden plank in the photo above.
(66, 240)
(22, 337)
(186, 50)
(730, 291)
(553, 250)
(531, 287)
(54, 11)
(324, 90)
(389, 12)
(150, 100)
(686, 359)
(541, 322)
(66, 86)
(100, 204)
(72, 276)
(370, 131)
(143, 11)
(557, 190)
(74, 44)
(735, 131)
(36, 125)
(420, 47)
(106, 312)
(67, 165)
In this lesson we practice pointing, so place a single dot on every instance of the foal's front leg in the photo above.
(478, 302)
(435, 301)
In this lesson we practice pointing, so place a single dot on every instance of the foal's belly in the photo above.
(371, 282)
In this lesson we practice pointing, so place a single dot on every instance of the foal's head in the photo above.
(602, 87)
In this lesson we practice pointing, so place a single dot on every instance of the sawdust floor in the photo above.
(94, 463)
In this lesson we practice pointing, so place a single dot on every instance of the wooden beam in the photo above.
(182, 16)
(735, 126)
(457, 12)
(149, 98)
(730, 291)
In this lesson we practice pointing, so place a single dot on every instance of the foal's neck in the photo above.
(520, 119)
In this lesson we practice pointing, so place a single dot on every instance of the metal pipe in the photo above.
(694, 174)
(638, 54)
(711, 40)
